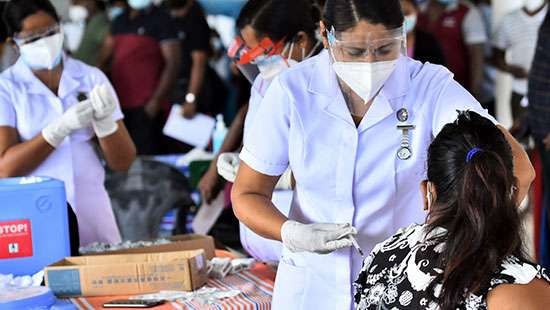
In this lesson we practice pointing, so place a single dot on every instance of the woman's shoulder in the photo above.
(519, 284)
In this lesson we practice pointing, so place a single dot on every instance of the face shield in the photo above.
(363, 63)
(266, 59)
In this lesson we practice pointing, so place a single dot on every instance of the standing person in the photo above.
(191, 89)
(458, 26)
(262, 23)
(538, 119)
(354, 125)
(47, 126)
(116, 8)
(469, 254)
(514, 45)
(145, 56)
(421, 45)
(97, 28)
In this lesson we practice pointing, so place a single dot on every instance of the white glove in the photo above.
(316, 238)
(285, 181)
(228, 166)
(76, 117)
(104, 103)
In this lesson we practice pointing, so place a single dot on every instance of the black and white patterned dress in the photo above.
(398, 274)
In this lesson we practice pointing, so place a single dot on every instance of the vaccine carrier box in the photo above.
(34, 229)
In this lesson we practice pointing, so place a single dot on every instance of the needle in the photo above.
(356, 245)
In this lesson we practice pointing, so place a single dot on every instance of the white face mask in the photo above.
(410, 22)
(45, 53)
(78, 13)
(139, 4)
(365, 78)
(533, 5)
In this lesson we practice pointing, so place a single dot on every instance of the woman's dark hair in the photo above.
(475, 203)
(279, 19)
(345, 14)
(17, 10)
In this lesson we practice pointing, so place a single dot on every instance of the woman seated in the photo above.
(469, 253)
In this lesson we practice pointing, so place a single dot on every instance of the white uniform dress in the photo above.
(27, 105)
(345, 173)
(258, 247)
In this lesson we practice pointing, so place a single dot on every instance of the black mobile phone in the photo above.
(133, 303)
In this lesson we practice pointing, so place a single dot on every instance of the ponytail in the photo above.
(475, 204)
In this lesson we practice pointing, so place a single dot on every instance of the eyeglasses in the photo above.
(22, 39)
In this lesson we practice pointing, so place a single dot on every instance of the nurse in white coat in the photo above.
(354, 125)
(270, 42)
(52, 107)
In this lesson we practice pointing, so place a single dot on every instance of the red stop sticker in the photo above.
(15, 239)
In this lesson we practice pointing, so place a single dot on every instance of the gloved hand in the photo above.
(228, 166)
(104, 104)
(285, 181)
(316, 238)
(76, 117)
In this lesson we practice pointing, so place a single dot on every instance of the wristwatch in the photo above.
(190, 98)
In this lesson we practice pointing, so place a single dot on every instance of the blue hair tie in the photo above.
(472, 153)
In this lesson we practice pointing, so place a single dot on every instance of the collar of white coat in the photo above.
(70, 79)
(324, 82)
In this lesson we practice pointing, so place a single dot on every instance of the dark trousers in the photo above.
(545, 221)
(146, 132)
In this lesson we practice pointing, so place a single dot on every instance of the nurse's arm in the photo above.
(19, 159)
(251, 198)
(523, 169)
(119, 149)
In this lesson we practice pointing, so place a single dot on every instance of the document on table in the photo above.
(208, 215)
(196, 131)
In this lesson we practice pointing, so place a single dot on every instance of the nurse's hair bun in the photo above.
(475, 202)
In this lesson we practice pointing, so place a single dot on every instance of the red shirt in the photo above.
(448, 31)
(138, 62)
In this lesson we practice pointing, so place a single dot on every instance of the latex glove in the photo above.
(285, 181)
(104, 103)
(228, 166)
(316, 238)
(76, 117)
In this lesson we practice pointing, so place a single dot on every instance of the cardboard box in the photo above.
(180, 243)
(127, 274)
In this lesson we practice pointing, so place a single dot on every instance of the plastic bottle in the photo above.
(219, 134)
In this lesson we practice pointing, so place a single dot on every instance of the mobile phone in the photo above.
(133, 303)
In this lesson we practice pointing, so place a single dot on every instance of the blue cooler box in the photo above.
(34, 229)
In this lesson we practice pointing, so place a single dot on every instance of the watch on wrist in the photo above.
(190, 98)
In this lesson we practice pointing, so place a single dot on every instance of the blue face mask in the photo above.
(447, 2)
(115, 12)
(139, 4)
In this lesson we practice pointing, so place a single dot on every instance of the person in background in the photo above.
(539, 124)
(116, 8)
(514, 44)
(8, 54)
(421, 45)
(469, 254)
(52, 108)
(487, 97)
(145, 53)
(458, 26)
(194, 35)
(92, 12)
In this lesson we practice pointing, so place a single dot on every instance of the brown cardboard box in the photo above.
(127, 274)
(180, 243)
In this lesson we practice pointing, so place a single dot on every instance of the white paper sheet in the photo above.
(196, 131)
(208, 215)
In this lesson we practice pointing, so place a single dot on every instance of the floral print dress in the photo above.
(398, 274)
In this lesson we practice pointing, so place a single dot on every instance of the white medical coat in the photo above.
(345, 173)
(27, 105)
